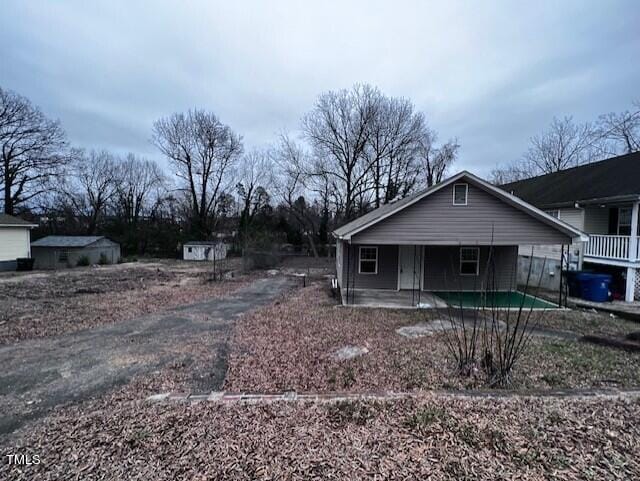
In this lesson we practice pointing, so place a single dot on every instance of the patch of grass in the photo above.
(425, 418)
(342, 413)
(469, 434)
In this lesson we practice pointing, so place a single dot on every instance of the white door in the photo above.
(409, 265)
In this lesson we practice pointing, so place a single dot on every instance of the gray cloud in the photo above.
(490, 74)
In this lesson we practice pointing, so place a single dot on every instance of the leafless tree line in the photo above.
(566, 144)
(366, 149)
(358, 150)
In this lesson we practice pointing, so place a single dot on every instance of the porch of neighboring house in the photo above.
(614, 246)
(432, 276)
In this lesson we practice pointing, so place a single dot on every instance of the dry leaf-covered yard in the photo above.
(48, 303)
(430, 437)
(289, 346)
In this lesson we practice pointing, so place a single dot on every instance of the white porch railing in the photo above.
(611, 247)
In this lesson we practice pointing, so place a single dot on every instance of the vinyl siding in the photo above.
(573, 216)
(442, 271)
(387, 276)
(339, 260)
(435, 220)
(14, 243)
(49, 257)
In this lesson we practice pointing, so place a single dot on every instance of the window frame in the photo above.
(466, 193)
(620, 209)
(360, 260)
(63, 255)
(476, 262)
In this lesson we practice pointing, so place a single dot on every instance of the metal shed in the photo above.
(56, 252)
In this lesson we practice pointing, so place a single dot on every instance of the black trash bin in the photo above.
(24, 264)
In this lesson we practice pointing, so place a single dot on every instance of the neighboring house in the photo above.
(15, 241)
(439, 239)
(204, 250)
(61, 251)
(602, 199)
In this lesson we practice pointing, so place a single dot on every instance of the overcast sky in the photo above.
(490, 74)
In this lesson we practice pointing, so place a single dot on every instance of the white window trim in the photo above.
(360, 259)
(625, 225)
(477, 261)
(466, 193)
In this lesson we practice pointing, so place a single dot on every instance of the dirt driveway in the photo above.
(37, 375)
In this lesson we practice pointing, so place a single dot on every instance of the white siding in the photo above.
(573, 216)
(199, 252)
(14, 243)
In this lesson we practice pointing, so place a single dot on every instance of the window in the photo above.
(189, 249)
(469, 261)
(624, 221)
(460, 194)
(368, 260)
(553, 213)
(64, 256)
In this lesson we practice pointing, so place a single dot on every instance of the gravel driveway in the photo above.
(37, 375)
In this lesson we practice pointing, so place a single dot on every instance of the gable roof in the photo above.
(615, 179)
(7, 220)
(67, 241)
(387, 210)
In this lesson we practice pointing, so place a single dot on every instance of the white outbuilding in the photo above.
(15, 241)
(204, 251)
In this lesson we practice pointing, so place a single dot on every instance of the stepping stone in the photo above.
(349, 352)
(425, 328)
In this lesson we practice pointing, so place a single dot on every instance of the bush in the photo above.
(103, 259)
(83, 261)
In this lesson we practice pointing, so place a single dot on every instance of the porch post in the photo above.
(633, 249)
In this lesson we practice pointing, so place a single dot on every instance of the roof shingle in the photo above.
(616, 178)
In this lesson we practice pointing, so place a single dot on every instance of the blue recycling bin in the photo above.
(574, 281)
(595, 287)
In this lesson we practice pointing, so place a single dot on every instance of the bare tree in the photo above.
(620, 132)
(292, 184)
(255, 176)
(338, 129)
(394, 140)
(91, 185)
(32, 150)
(436, 161)
(511, 173)
(203, 152)
(138, 181)
(564, 144)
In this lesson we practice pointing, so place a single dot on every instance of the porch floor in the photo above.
(501, 300)
(388, 298)
(407, 299)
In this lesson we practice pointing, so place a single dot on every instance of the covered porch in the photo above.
(432, 276)
(614, 242)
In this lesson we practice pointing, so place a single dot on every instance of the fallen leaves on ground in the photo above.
(432, 436)
(51, 303)
(289, 346)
